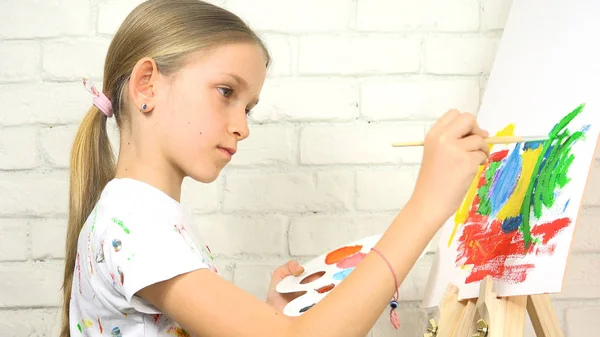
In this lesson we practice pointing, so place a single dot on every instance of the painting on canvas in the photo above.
(517, 220)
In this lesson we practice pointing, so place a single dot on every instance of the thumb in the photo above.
(295, 268)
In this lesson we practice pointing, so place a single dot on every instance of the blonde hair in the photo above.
(167, 31)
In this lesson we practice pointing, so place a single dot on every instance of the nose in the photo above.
(238, 125)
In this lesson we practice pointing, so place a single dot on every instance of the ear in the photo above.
(142, 84)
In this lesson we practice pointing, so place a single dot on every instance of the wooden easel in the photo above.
(496, 317)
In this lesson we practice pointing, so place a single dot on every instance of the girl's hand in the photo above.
(278, 300)
(454, 149)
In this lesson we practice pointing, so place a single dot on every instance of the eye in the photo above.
(225, 91)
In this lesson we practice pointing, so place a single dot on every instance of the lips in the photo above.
(231, 151)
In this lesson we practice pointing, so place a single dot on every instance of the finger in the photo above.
(446, 119)
(479, 157)
(463, 125)
(475, 143)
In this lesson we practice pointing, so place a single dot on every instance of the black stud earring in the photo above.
(144, 107)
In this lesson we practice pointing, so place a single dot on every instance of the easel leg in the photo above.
(499, 317)
(456, 318)
(543, 317)
(503, 316)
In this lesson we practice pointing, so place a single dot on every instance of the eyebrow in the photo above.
(241, 82)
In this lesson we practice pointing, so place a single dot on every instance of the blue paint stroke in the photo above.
(566, 205)
(340, 275)
(532, 145)
(505, 180)
(512, 224)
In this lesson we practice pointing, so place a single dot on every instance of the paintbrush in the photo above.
(489, 140)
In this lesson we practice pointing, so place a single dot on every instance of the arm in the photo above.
(206, 305)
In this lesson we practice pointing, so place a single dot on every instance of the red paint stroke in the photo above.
(351, 261)
(325, 289)
(498, 156)
(100, 325)
(549, 230)
(341, 253)
(156, 317)
(486, 248)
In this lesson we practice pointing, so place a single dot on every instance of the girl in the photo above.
(180, 78)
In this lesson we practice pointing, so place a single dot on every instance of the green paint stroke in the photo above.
(550, 171)
(485, 205)
(121, 224)
(79, 327)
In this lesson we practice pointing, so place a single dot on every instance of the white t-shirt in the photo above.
(135, 236)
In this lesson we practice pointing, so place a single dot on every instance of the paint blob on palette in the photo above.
(332, 267)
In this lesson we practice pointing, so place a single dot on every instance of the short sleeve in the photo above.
(144, 251)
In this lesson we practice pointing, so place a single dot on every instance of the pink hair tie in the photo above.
(100, 100)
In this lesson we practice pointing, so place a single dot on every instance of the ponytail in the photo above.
(92, 167)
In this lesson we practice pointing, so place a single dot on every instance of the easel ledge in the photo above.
(496, 317)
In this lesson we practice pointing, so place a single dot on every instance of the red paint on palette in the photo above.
(351, 261)
(341, 253)
(325, 289)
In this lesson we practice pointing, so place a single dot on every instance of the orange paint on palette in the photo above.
(341, 253)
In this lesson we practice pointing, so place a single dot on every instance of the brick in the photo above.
(225, 268)
(464, 55)
(27, 284)
(384, 189)
(582, 278)
(358, 55)
(297, 191)
(359, 143)
(291, 17)
(587, 231)
(286, 99)
(57, 142)
(34, 193)
(20, 61)
(236, 235)
(591, 197)
(42, 19)
(18, 148)
(416, 97)
(30, 322)
(201, 197)
(494, 13)
(579, 319)
(428, 15)
(14, 241)
(315, 234)
(267, 145)
(49, 103)
(74, 58)
(280, 49)
(111, 14)
(255, 278)
(48, 238)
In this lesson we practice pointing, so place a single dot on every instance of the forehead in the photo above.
(245, 60)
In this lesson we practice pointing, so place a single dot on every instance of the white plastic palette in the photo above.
(336, 265)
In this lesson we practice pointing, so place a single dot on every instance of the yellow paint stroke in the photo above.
(463, 211)
(512, 208)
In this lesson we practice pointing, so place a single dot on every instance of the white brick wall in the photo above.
(346, 73)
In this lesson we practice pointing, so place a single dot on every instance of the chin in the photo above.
(205, 177)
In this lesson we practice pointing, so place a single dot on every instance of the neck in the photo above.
(135, 163)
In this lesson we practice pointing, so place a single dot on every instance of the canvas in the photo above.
(517, 220)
